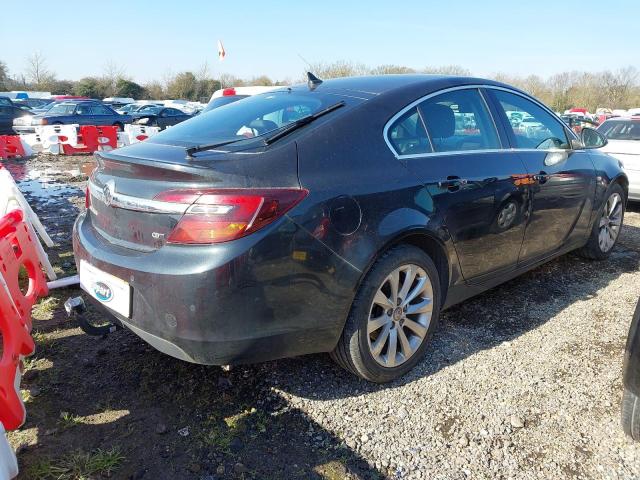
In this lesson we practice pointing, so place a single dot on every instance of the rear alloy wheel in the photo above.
(606, 230)
(400, 315)
(392, 317)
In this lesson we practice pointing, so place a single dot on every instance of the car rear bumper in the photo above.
(274, 294)
(632, 355)
(24, 129)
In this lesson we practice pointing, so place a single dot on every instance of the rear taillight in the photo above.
(228, 92)
(216, 216)
(87, 198)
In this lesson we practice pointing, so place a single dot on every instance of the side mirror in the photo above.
(592, 138)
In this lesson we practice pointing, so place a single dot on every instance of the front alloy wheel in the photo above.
(400, 315)
(610, 222)
(606, 229)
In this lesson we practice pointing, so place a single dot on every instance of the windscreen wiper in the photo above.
(301, 122)
(276, 136)
(211, 146)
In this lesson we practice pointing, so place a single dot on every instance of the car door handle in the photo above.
(542, 177)
(452, 183)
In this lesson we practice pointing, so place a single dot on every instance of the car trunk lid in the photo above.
(125, 187)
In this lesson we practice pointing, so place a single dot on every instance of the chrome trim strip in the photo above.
(128, 202)
(385, 131)
(475, 152)
(123, 243)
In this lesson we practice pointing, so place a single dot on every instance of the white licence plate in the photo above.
(112, 292)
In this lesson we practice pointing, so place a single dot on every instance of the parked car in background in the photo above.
(623, 136)
(631, 379)
(81, 112)
(117, 102)
(33, 103)
(340, 216)
(224, 96)
(163, 117)
(578, 122)
(131, 108)
(7, 115)
(148, 108)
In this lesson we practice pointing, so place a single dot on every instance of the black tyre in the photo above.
(392, 317)
(119, 126)
(606, 229)
(631, 414)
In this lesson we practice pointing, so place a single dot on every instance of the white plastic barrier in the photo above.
(10, 199)
(123, 139)
(53, 137)
(8, 462)
(137, 133)
(33, 141)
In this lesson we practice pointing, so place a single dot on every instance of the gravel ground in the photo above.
(522, 382)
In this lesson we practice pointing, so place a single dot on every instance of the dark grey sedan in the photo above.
(163, 117)
(338, 216)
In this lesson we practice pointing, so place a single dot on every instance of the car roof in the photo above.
(380, 84)
(77, 102)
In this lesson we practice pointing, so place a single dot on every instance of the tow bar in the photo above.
(76, 309)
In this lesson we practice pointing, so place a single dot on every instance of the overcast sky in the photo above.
(151, 39)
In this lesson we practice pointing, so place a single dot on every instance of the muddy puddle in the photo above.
(45, 184)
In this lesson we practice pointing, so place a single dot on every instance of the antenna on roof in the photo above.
(312, 81)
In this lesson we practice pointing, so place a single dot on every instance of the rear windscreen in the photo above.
(252, 117)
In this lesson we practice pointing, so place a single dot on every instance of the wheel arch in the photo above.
(429, 243)
(623, 181)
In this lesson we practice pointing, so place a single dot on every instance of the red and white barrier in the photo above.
(11, 147)
(139, 133)
(17, 251)
(72, 139)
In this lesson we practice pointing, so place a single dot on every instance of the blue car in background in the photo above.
(81, 112)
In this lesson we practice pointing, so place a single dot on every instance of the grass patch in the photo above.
(45, 308)
(68, 420)
(26, 396)
(219, 432)
(332, 470)
(77, 465)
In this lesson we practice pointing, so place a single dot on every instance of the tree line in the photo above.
(591, 90)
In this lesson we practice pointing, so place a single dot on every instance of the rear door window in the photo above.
(100, 110)
(459, 121)
(84, 109)
(533, 127)
(408, 136)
